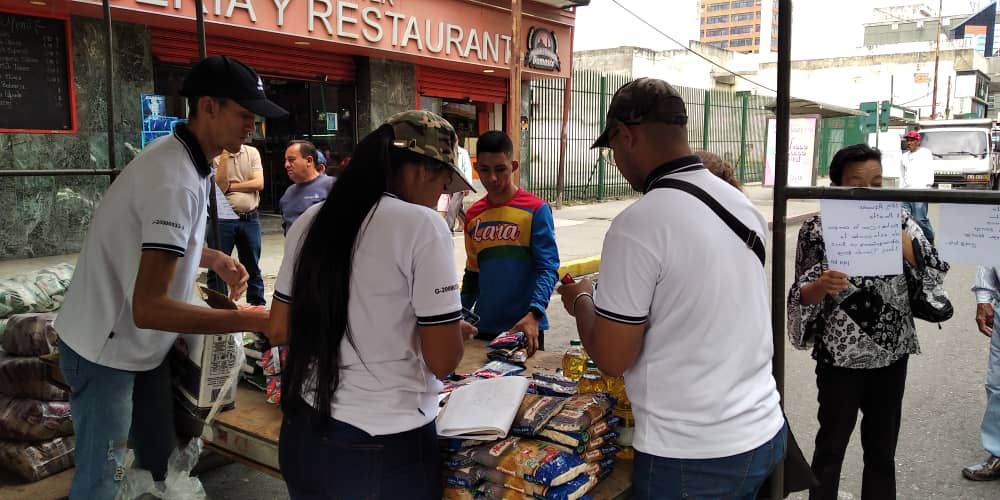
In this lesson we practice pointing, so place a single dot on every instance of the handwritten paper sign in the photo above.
(801, 151)
(969, 234)
(863, 238)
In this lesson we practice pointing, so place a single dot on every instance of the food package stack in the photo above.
(254, 347)
(529, 465)
(36, 429)
(37, 292)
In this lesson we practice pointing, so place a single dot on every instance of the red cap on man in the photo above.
(913, 134)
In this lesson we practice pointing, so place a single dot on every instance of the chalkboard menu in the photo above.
(35, 84)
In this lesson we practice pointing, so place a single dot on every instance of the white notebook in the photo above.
(482, 410)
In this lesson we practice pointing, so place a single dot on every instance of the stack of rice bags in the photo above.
(38, 292)
(527, 464)
(36, 430)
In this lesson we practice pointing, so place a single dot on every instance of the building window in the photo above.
(718, 19)
(742, 17)
(757, 28)
(721, 45)
(740, 4)
(741, 42)
(740, 30)
(717, 32)
(718, 6)
(756, 41)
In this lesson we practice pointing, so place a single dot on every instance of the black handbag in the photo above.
(928, 298)
(798, 474)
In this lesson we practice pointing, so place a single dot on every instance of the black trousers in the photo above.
(878, 393)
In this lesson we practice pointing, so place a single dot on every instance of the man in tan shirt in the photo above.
(240, 177)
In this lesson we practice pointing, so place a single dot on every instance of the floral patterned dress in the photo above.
(869, 325)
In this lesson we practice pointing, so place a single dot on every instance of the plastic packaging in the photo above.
(34, 461)
(535, 411)
(581, 411)
(179, 485)
(531, 459)
(495, 369)
(30, 377)
(30, 335)
(33, 420)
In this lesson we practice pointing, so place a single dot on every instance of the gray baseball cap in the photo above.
(645, 100)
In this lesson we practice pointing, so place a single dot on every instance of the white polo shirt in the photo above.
(403, 276)
(702, 385)
(159, 202)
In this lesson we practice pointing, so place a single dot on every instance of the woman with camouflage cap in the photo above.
(367, 300)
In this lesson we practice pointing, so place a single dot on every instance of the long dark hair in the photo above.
(318, 319)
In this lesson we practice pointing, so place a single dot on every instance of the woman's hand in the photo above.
(829, 283)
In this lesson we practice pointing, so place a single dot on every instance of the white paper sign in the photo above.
(968, 234)
(863, 238)
(801, 151)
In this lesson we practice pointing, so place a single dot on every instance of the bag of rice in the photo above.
(496, 491)
(54, 281)
(34, 461)
(579, 440)
(466, 477)
(21, 296)
(458, 494)
(29, 377)
(581, 411)
(571, 490)
(31, 420)
(598, 454)
(535, 411)
(551, 383)
(30, 335)
(536, 461)
(518, 484)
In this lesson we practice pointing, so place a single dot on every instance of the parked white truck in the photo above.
(964, 153)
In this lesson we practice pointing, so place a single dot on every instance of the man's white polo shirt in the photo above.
(159, 202)
(702, 385)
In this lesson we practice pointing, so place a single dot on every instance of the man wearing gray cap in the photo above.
(683, 311)
(130, 295)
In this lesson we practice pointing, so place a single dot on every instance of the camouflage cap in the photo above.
(430, 135)
(645, 100)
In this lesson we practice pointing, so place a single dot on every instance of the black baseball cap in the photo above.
(645, 100)
(223, 76)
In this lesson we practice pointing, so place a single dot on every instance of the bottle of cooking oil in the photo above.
(574, 362)
(592, 380)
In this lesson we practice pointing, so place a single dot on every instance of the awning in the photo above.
(806, 107)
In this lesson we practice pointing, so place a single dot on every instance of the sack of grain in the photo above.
(34, 461)
(30, 377)
(30, 335)
(33, 420)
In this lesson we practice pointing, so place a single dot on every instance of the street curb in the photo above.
(794, 219)
(581, 267)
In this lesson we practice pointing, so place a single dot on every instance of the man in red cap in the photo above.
(918, 173)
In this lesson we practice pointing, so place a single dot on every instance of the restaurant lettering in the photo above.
(375, 22)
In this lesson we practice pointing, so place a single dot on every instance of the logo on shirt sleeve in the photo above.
(450, 288)
(161, 222)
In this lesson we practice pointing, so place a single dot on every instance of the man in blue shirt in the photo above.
(987, 290)
(311, 186)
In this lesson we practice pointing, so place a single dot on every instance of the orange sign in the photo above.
(476, 33)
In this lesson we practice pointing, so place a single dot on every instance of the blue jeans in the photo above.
(244, 236)
(111, 408)
(737, 477)
(990, 429)
(918, 211)
(326, 458)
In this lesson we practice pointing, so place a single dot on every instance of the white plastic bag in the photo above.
(179, 485)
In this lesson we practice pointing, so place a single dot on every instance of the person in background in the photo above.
(510, 243)
(719, 167)
(310, 187)
(134, 280)
(456, 208)
(918, 173)
(862, 333)
(240, 176)
(682, 312)
(987, 290)
(367, 300)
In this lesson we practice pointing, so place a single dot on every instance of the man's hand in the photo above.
(984, 318)
(468, 330)
(528, 325)
(233, 273)
(572, 292)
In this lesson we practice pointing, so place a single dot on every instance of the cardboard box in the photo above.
(201, 365)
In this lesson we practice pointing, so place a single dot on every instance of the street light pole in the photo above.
(937, 61)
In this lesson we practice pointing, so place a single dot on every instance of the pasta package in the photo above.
(534, 413)
(531, 459)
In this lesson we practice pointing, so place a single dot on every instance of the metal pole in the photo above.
(602, 120)
(947, 101)
(937, 61)
(708, 113)
(514, 103)
(199, 8)
(783, 115)
(109, 94)
(563, 142)
(744, 123)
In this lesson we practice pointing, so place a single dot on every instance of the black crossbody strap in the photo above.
(750, 237)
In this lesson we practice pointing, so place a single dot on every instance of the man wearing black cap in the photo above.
(130, 295)
(683, 311)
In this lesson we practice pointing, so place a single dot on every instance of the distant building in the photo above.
(740, 25)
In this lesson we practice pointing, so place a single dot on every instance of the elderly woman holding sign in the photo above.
(862, 332)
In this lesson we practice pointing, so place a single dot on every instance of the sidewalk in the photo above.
(580, 233)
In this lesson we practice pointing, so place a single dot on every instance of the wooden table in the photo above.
(249, 434)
